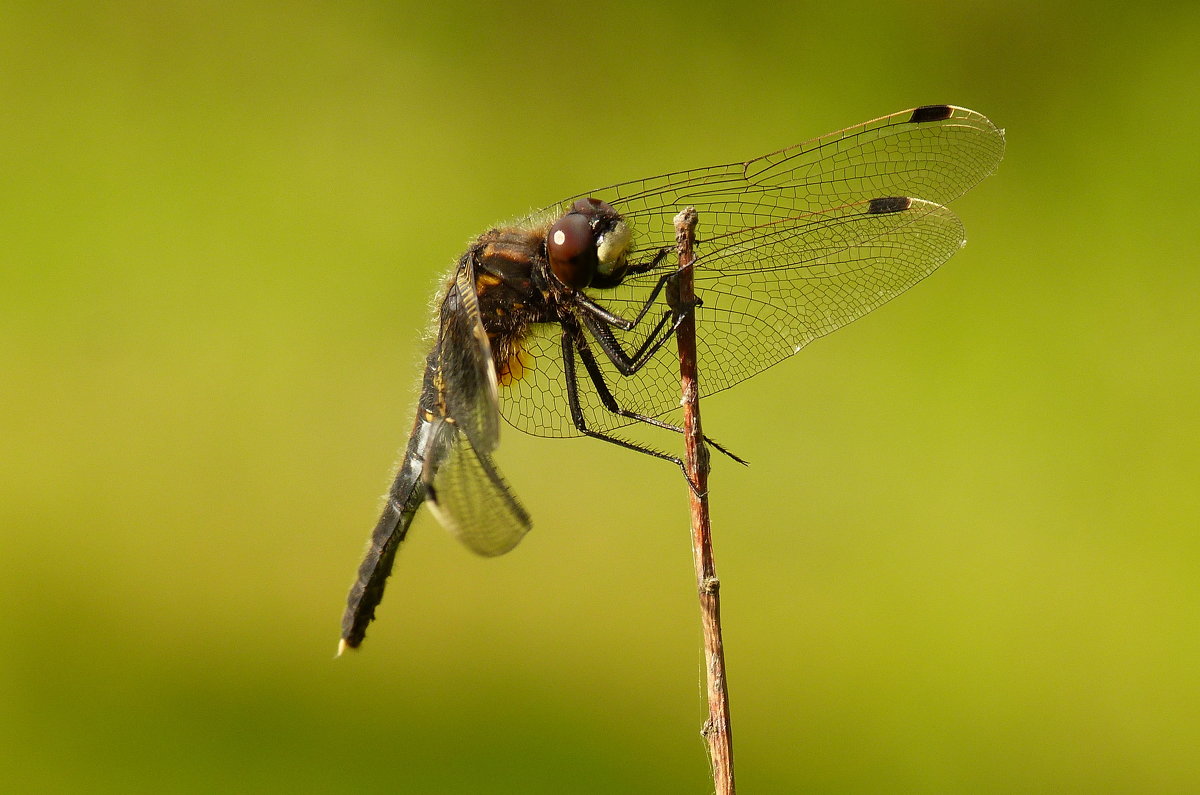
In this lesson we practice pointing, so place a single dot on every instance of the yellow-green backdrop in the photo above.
(965, 557)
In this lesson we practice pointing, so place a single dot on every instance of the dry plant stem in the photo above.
(716, 731)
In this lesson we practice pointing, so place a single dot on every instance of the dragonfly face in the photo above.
(558, 322)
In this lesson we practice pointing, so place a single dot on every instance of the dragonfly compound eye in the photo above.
(571, 245)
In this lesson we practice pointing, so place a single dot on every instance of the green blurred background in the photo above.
(967, 562)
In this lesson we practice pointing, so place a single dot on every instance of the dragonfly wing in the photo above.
(466, 372)
(777, 291)
(934, 152)
(792, 245)
(471, 500)
(767, 291)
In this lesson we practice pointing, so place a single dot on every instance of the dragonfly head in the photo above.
(587, 246)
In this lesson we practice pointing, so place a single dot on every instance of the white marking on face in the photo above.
(612, 246)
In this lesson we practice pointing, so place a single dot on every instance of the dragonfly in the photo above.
(556, 323)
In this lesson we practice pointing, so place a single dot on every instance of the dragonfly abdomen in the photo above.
(403, 499)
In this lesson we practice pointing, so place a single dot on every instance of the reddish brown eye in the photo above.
(571, 245)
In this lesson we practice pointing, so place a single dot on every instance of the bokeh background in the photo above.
(965, 557)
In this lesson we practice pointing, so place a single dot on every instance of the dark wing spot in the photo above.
(889, 204)
(931, 113)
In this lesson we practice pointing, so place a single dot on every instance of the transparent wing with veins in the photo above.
(467, 493)
(472, 501)
(792, 246)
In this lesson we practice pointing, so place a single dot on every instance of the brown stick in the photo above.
(716, 731)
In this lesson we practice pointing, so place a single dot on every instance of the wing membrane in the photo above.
(768, 291)
(465, 365)
(792, 246)
(467, 493)
(934, 156)
(472, 501)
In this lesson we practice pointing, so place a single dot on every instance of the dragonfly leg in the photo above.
(576, 342)
(572, 342)
(610, 403)
(626, 363)
(593, 308)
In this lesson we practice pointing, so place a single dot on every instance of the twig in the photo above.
(716, 731)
